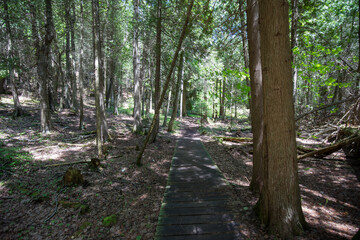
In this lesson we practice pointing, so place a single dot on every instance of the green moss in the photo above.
(109, 220)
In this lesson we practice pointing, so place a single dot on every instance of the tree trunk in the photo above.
(167, 109)
(358, 69)
(137, 128)
(157, 70)
(294, 23)
(168, 78)
(101, 126)
(279, 206)
(10, 62)
(181, 63)
(42, 56)
(245, 47)
(222, 100)
(257, 112)
(73, 58)
(81, 70)
(176, 97)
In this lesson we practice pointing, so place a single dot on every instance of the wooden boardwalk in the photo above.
(195, 201)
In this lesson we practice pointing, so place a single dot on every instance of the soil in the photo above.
(122, 201)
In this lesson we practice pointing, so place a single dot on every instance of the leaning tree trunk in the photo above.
(10, 62)
(137, 128)
(257, 112)
(168, 78)
(279, 205)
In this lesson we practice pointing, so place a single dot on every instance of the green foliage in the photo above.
(14, 158)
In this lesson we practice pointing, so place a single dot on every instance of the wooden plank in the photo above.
(194, 204)
(176, 220)
(195, 229)
(194, 211)
(227, 236)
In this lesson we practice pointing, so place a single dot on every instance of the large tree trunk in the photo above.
(137, 128)
(157, 71)
(10, 62)
(168, 78)
(279, 206)
(257, 112)
(101, 126)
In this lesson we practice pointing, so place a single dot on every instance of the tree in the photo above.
(168, 78)
(42, 47)
(101, 126)
(10, 62)
(136, 65)
(81, 69)
(256, 106)
(279, 205)
(157, 70)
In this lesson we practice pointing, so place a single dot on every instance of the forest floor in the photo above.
(35, 205)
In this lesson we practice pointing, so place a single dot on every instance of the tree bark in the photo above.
(294, 23)
(157, 70)
(101, 126)
(176, 96)
(257, 108)
(279, 205)
(81, 70)
(42, 57)
(73, 58)
(168, 78)
(137, 128)
(10, 61)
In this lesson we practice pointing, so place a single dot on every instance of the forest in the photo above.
(179, 119)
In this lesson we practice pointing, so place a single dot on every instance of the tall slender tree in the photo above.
(10, 61)
(157, 69)
(168, 78)
(136, 70)
(81, 69)
(42, 46)
(257, 112)
(101, 126)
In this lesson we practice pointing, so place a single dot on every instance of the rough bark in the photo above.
(279, 205)
(168, 78)
(137, 128)
(157, 70)
(257, 111)
(10, 61)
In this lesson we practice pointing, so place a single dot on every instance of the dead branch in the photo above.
(326, 106)
(66, 163)
(330, 149)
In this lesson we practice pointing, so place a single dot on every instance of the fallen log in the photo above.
(330, 149)
(66, 163)
(235, 139)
